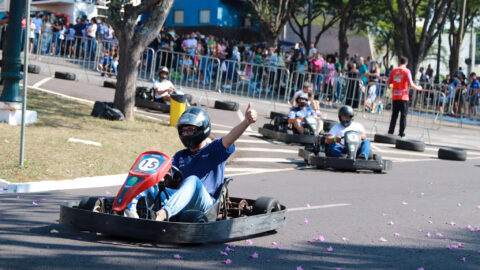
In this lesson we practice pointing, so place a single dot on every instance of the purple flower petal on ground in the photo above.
(311, 241)
(414, 210)
(383, 214)
(299, 267)
(279, 247)
(382, 239)
(228, 249)
(338, 268)
(439, 234)
(453, 223)
(177, 256)
(254, 255)
(223, 253)
(390, 223)
(227, 261)
(34, 203)
(420, 230)
(5, 141)
(107, 192)
(330, 249)
(249, 242)
(470, 228)
(231, 245)
(428, 235)
(421, 268)
(307, 205)
(42, 200)
(344, 239)
(274, 243)
(396, 234)
(459, 204)
(430, 222)
(321, 238)
(446, 240)
(404, 203)
(67, 170)
(463, 259)
(478, 206)
(460, 245)
(305, 221)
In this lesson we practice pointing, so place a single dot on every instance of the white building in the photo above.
(71, 8)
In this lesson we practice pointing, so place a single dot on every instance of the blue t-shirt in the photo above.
(297, 113)
(208, 164)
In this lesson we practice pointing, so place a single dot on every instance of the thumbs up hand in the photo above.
(250, 114)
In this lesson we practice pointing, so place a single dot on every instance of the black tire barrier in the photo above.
(226, 105)
(452, 153)
(277, 114)
(380, 138)
(110, 84)
(105, 110)
(65, 75)
(31, 69)
(411, 145)
(328, 124)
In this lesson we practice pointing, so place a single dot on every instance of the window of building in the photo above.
(178, 16)
(204, 16)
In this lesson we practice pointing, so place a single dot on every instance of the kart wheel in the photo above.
(275, 114)
(268, 126)
(411, 145)
(65, 75)
(94, 204)
(451, 153)
(265, 205)
(110, 84)
(226, 105)
(380, 138)
(191, 216)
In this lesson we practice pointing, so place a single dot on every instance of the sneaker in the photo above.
(362, 156)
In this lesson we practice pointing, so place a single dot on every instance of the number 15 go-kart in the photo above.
(228, 218)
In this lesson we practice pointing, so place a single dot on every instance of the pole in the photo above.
(472, 49)
(437, 76)
(25, 72)
(309, 26)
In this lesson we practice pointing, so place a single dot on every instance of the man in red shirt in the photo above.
(401, 78)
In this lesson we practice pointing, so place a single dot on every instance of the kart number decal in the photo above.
(149, 164)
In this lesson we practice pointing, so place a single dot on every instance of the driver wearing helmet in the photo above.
(335, 136)
(163, 87)
(202, 164)
(296, 116)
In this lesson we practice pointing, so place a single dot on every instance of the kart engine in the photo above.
(352, 143)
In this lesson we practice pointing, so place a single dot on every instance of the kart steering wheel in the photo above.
(174, 178)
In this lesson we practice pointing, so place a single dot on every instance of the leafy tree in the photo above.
(456, 34)
(272, 16)
(323, 15)
(411, 41)
(122, 16)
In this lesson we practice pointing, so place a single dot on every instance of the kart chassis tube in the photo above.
(171, 232)
(288, 138)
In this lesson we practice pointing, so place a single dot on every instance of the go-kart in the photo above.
(319, 155)
(279, 129)
(228, 218)
(144, 97)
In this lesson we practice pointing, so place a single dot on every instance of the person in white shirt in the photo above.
(335, 140)
(38, 21)
(163, 87)
(190, 44)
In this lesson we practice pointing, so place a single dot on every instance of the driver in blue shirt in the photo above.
(296, 116)
(202, 164)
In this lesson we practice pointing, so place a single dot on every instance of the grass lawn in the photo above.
(49, 155)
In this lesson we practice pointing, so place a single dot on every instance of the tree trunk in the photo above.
(454, 54)
(343, 41)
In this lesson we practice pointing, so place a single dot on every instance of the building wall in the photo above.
(191, 12)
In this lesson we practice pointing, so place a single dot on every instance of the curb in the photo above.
(50, 185)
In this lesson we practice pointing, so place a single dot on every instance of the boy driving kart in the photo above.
(296, 116)
(202, 165)
(335, 140)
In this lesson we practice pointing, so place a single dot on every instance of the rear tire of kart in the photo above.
(33, 69)
(275, 114)
(91, 204)
(192, 216)
(380, 138)
(328, 124)
(226, 105)
(110, 84)
(266, 205)
(411, 145)
(65, 75)
(451, 153)
(268, 126)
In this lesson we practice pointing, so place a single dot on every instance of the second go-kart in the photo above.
(280, 130)
(228, 218)
(319, 156)
(144, 97)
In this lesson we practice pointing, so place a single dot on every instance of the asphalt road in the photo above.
(419, 208)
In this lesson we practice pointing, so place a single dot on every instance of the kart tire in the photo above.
(328, 124)
(33, 69)
(265, 205)
(226, 105)
(380, 138)
(110, 84)
(191, 216)
(65, 75)
(268, 126)
(91, 204)
(411, 145)
(275, 114)
(451, 153)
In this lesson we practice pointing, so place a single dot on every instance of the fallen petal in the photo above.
(177, 256)
(453, 223)
(478, 206)
(460, 245)
(274, 243)
(421, 268)
(420, 230)
(42, 200)
(428, 235)
(5, 141)
(414, 210)
(470, 227)
(249, 242)
(279, 247)
(330, 249)
(430, 222)
(254, 255)
(338, 268)
(321, 238)
(344, 239)
(383, 214)
(227, 261)
(307, 205)
(404, 203)
(390, 223)
(459, 204)
(223, 253)
(34, 203)
(299, 267)
(439, 234)
(382, 239)
(228, 249)
(311, 241)
(463, 259)
(231, 245)
(305, 221)
(67, 170)
(396, 234)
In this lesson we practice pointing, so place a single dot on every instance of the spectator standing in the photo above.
(312, 52)
(47, 35)
(56, 28)
(401, 79)
(190, 44)
(362, 69)
(474, 94)
(372, 92)
(37, 20)
(91, 33)
(79, 27)
(429, 73)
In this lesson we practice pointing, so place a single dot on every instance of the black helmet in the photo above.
(194, 117)
(302, 96)
(345, 110)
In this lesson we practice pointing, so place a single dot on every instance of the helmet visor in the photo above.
(191, 120)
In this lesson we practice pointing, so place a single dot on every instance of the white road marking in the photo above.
(317, 207)
(62, 95)
(42, 81)
(84, 141)
(258, 172)
(269, 160)
(240, 115)
(257, 149)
